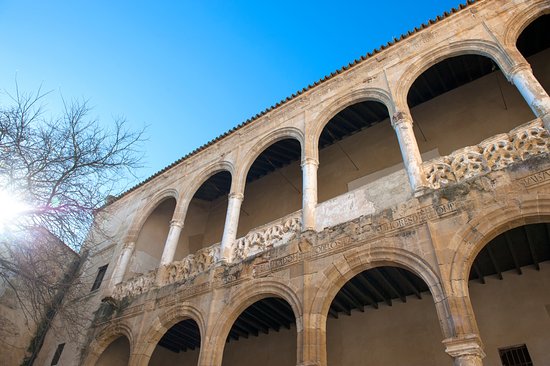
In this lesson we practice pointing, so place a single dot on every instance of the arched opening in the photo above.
(180, 345)
(389, 318)
(151, 239)
(358, 147)
(534, 45)
(273, 186)
(205, 216)
(510, 292)
(117, 353)
(264, 334)
(461, 101)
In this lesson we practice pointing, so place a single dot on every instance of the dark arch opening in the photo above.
(461, 101)
(179, 345)
(117, 353)
(205, 217)
(535, 37)
(263, 334)
(534, 45)
(509, 289)
(151, 239)
(390, 320)
(273, 185)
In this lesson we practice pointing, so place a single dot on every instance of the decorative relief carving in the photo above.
(260, 240)
(135, 286)
(440, 174)
(495, 153)
(192, 265)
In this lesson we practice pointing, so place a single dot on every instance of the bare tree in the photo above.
(59, 170)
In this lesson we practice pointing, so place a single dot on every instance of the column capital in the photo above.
(466, 345)
(309, 161)
(177, 223)
(236, 195)
(519, 68)
(399, 118)
(129, 245)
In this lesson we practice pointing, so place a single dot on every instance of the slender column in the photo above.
(309, 197)
(124, 259)
(171, 242)
(403, 126)
(531, 90)
(231, 224)
(465, 350)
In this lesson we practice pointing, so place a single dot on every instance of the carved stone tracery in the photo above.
(495, 153)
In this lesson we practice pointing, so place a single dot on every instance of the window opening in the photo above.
(515, 356)
(99, 278)
(57, 354)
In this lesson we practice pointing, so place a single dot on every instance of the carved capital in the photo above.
(520, 68)
(236, 195)
(467, 345)
(176, 223)
(399, 118)
(309, 161)
(129, 245)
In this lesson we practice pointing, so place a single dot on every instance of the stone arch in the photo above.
(239, 301)
(105, 337)
(468, 242)
(162, 323)
(431, 57)
(345, 268)
(187, 195)
(354, 97)
(517, 24)
(147, 210)
(252, 154)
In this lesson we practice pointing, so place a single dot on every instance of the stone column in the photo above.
(171, 242)
(231, 224)
(465, 350)
(309, 195)
(403, 126)
(122, 264)
(312, 341)
(531, 90)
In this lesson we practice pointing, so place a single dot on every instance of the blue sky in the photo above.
(189, 70)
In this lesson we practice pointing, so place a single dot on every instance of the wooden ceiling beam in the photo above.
(396, 292)
(532, 250)
(494, 262)
(370, 287)
(510, 246)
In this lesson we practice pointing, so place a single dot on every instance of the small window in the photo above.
(57, 354)
(515, 356)
(100, 274)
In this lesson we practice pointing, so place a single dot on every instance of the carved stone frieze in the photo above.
(265, 238)
(495, 153)
(135, 286)
(192, 265)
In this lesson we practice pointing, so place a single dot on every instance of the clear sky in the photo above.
(190, 70)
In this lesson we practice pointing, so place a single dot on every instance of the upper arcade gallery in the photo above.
(439, 101)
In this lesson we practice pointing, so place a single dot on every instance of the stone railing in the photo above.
(192, 265)
(494, 153)
(271, 235)
(135, 286)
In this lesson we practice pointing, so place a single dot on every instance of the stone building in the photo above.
(396, 212)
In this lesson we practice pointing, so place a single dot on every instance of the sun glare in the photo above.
(11, 207)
